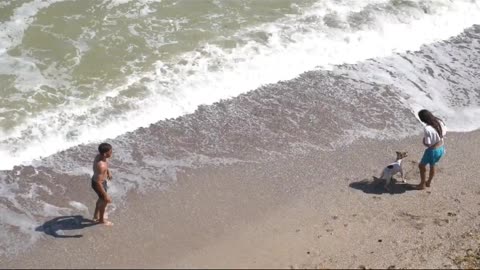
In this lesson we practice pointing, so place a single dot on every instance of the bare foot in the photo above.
(95, 219)
(420, 187)
(106, 223)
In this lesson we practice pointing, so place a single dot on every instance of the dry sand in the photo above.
(318, 210)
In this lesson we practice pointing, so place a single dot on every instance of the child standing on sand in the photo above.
(99, 182)
(434, 132)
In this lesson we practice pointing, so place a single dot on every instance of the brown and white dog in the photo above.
(394, 168)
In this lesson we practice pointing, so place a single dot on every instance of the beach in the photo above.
(310, 211)
(245, 134)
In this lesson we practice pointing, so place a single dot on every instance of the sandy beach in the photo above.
(318, 210)
(245, 134)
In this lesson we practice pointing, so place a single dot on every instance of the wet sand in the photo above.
(313, 210)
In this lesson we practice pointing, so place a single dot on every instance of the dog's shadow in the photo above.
(56, 227)
(376, 186)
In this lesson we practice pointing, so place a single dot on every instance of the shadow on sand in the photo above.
(56, 227)
(376, 186)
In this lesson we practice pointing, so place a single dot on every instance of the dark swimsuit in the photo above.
(97, 190)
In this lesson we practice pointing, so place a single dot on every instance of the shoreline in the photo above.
(316, 210)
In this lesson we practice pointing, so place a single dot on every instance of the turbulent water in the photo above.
(185, 83)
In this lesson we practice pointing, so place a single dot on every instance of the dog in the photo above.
(394, 168)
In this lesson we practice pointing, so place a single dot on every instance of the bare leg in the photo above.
(96, 214)
(102, 219)
(431, 174)
(423, 169)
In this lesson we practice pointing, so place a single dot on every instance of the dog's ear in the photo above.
(398, 152)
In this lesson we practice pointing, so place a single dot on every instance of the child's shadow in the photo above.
(56, 227)
(377, 186)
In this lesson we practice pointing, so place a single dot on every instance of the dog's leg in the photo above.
(387, 183)
(379, 180)
(401, 173)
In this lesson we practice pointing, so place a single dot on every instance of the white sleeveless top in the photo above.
(431, 136)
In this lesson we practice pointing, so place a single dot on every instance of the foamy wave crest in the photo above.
(11, 35)
(329, 33)
(11, 32)
(115, 3)
(442, 77)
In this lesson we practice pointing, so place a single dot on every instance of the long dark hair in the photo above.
(428, 118)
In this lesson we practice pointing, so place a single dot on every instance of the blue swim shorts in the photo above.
(432, 156)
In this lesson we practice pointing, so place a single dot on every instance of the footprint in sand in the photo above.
(419, 226)
(451, 214)
(413, 220)
(410, 216)
(441, 221)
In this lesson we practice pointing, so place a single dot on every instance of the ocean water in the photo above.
(188, 83)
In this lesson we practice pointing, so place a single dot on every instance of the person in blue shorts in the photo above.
(433, 139)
